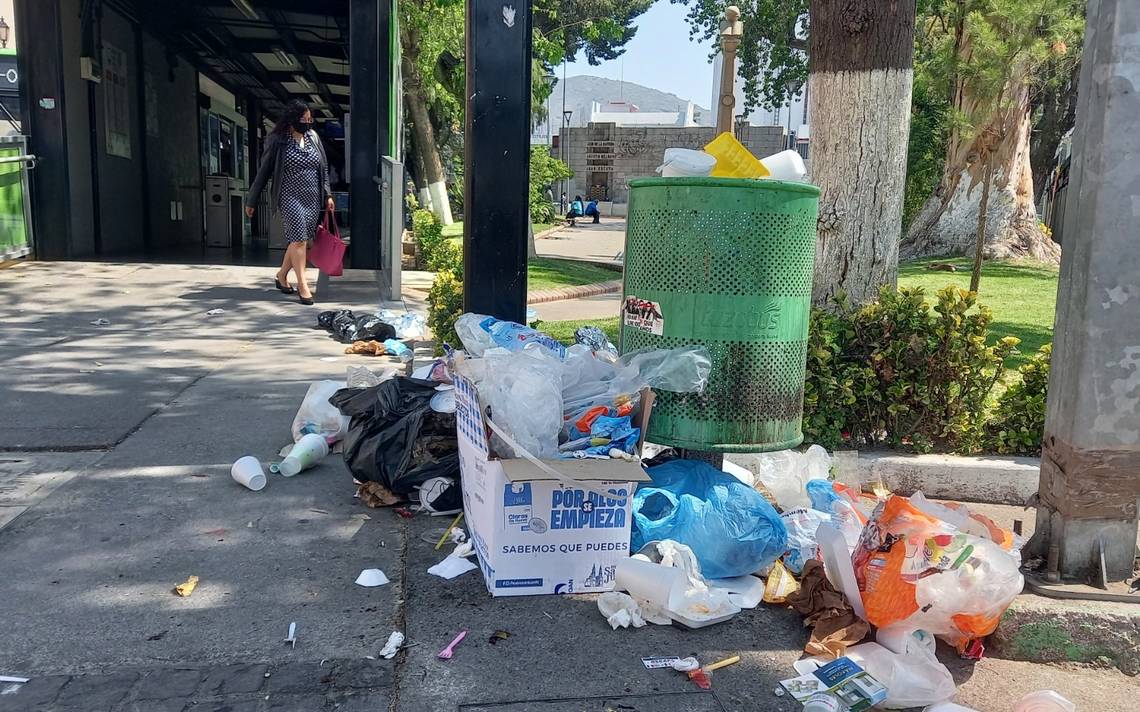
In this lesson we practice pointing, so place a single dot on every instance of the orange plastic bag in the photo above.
(913, 566)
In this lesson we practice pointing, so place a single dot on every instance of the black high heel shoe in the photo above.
(282, 288)
(307, 301)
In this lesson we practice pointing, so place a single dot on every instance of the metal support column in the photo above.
(497, 159)
(1090, 456)
(369, 24)
(41, 86)
(253, 160)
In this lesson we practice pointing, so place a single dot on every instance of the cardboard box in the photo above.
(533, 533)
(855, 688)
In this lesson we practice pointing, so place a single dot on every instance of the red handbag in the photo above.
(327, 253)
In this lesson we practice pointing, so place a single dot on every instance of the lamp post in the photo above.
(562, 139)
(731, 30)
(5, 29)
(550, 77)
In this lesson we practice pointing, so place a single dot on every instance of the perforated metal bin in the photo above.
(726, 263)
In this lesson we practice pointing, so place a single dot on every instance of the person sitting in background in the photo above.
(592, 211)
(576, 210)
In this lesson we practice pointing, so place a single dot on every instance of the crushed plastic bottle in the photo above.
(480, 332)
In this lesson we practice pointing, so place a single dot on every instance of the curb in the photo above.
(604, 264)
(585, 290)
(1047, 630)
(991, 479)
(548, 231)
(987, 479)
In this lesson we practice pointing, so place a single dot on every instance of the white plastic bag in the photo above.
(787, 472)
(620, 610)
(524, 392)
(1044, 701)
(317, 415)
(803, 546)
(915, 679)
(681, 370)
(899, 638)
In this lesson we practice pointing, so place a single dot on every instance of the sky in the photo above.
(660, 56)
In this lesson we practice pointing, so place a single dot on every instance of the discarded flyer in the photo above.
(452, 566)
(371, 577)
(660, 662)
(14, 678)
(853, 685)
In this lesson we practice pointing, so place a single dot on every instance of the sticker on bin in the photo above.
(643, 315)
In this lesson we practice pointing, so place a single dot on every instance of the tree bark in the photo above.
(424, 142)
(980, 241)
(861, 72)
(946, 224)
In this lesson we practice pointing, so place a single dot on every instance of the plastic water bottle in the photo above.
(515, 337)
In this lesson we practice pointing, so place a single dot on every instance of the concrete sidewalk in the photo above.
(601, 244)
(134, 426)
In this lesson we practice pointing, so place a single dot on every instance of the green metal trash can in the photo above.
(727, 263)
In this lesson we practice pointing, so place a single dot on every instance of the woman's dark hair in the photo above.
(578, 198)
(294, 110)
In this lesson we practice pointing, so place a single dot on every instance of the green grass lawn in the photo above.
(545, 273)
(564, 330)
(1022, 296)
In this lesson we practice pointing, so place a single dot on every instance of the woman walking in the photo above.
(300, 190)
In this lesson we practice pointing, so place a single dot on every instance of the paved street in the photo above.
(115, 487)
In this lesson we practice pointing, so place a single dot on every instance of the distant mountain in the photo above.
(583, 89)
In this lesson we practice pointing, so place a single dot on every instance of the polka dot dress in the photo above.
(300, 196)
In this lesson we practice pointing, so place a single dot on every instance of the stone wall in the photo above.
(604, 157)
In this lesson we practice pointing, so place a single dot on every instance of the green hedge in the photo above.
(1019, 416)
(445, 304)
(900, 373)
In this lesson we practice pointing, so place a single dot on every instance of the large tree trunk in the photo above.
(424, 143)
(947, 224)
(861, 64)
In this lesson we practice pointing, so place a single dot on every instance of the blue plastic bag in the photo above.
(731, 528)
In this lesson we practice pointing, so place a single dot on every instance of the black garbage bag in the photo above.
(347, 327)
(372, 328)
(325, 318)
(394, 437)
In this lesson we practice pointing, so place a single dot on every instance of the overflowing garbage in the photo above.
(726, 157)
(395, 438)
(538, 446)
(731, 528)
